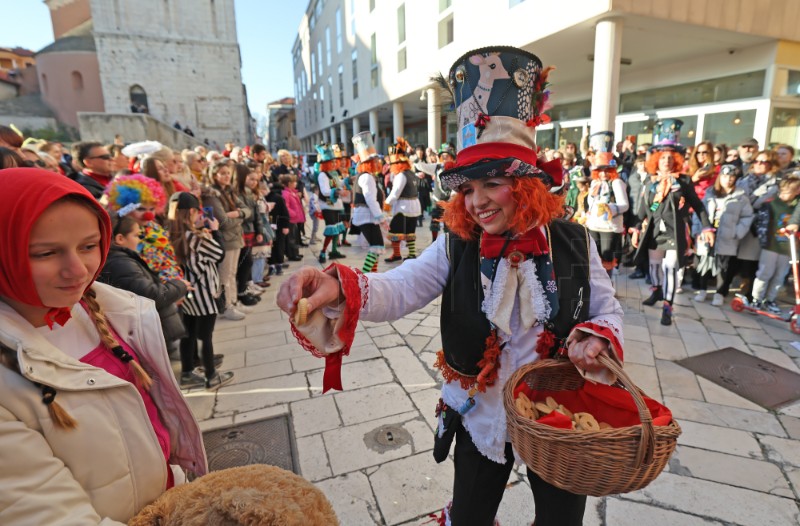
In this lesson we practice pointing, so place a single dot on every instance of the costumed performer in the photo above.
(342, 165)
(514, 288)
(329, 189)
(368, 199)
(439, 195)
(402, 202)
(664, 216)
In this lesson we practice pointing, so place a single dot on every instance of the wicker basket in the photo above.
(604, 462)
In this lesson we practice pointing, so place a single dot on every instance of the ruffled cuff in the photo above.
(331, 338)
(607, 332)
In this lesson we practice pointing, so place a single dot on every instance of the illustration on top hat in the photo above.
(337, 150)
(447, 148)
(602, 144)
(500, 95)
(364, 146)
(397, 152)
(324, 152)
(667, 136)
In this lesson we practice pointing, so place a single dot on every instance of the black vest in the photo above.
(333, 181)
(358, 195)
(410, 190)
(465, 327)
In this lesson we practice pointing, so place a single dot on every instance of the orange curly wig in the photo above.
(372, 166)
(611, 174)
(396, 168)
(535, 206)
(651, 166)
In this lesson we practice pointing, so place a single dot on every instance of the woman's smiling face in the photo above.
(490, 203)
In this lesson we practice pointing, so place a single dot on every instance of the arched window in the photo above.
(77, 80)
(138, 99)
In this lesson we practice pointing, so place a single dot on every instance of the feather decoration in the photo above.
(442, 83)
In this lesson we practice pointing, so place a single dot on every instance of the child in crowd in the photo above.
(126, 270)
(261, 248)
(296, 215)
(315, 213)
(199, 253)
(279, 219)
(94, 425)
(773, 263)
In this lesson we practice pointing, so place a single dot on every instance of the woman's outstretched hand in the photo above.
(319, 288)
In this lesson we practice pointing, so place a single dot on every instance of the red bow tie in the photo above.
(531, 242)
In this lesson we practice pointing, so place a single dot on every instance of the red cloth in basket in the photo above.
(607, 403)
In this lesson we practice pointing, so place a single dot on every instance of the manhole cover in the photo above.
(267, 441)
(758, 380)
(387, 437)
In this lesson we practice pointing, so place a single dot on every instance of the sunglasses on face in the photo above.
(105, 157)
(762, 162)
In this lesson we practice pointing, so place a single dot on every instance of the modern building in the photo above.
(281, 126)
(178, 60)
(729, 70)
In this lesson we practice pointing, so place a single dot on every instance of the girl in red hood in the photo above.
(92, 424)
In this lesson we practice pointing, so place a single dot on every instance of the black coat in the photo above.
(673, 215)
(126, 270)
(280, 214)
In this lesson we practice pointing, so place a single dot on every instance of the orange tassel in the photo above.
(449, 374)
(544, 344)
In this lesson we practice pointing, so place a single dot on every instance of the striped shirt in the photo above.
(201, 270)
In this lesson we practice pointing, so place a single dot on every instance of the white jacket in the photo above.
(111, 465)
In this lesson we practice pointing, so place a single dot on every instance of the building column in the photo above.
(373, 123)
(343, 134)
(356, 126)
(434, 119)
(605, 82)
(325, 137)
(397, 120)
(333, 135)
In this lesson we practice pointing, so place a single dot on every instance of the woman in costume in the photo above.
(665, 238)
(513, 286)
(330, 189)
(368, 199)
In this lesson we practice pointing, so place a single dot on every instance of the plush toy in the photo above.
(257, 495)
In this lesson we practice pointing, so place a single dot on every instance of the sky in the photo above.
(265, 41)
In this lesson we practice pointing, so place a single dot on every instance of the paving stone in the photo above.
(362, 338)
(776, 356)
(260, 414)
(779, 331)
(417, 315)
(756, 337)
(361, 352)
(388, 340)
(353, 453)
(408, 369)
(656, 329)
(719, 326)
(286, 351)
(709, 312)
(313, 459)
(638, 352)
(793, 474)
(743, 320)
(352, 499)
(517, 505)
(738, 471)
(257, 372)
(370, 403)
(408, 487)
(678, 381)
(781, 450)
(263, 393)
(637, 333)
(717, 394)
(436, 343)
(314, 416)
(722, 439)
(355, 375)
(595, 512)
(721, 415)
(230, 333)
(425, 402)
(689, 325)
(431, 321)
(404, 326)
(201, 403)
(792, 426)
(307, 363)
(696, 344)
(380, 330)
(668, 348)
(728, 340)
(646, 378)
(233, 361)
(626, 513)
(712, 500)
(417, 343)
(215, 423)
(257, 329)
(265, 341)
(791, 410)
(422, 330)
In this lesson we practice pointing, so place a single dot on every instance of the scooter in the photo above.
(740, 304)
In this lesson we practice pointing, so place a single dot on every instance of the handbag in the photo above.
(449, 421)
(220, 300)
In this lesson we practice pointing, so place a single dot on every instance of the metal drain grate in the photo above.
(758, 380)
(268, 441)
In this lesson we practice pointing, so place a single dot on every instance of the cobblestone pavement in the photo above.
(736, 463)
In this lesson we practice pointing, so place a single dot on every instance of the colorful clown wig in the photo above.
(536, 206)
(136, 188)
(651, 166)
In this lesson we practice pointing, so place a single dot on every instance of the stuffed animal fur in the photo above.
(255, 495)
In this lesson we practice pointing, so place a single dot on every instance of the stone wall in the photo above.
(184, 54)
(133, 127)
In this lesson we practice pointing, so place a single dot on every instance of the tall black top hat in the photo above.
(500, 97)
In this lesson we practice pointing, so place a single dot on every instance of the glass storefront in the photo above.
(730, 127)
(785, 127)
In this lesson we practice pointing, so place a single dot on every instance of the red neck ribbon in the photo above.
(531, 242)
